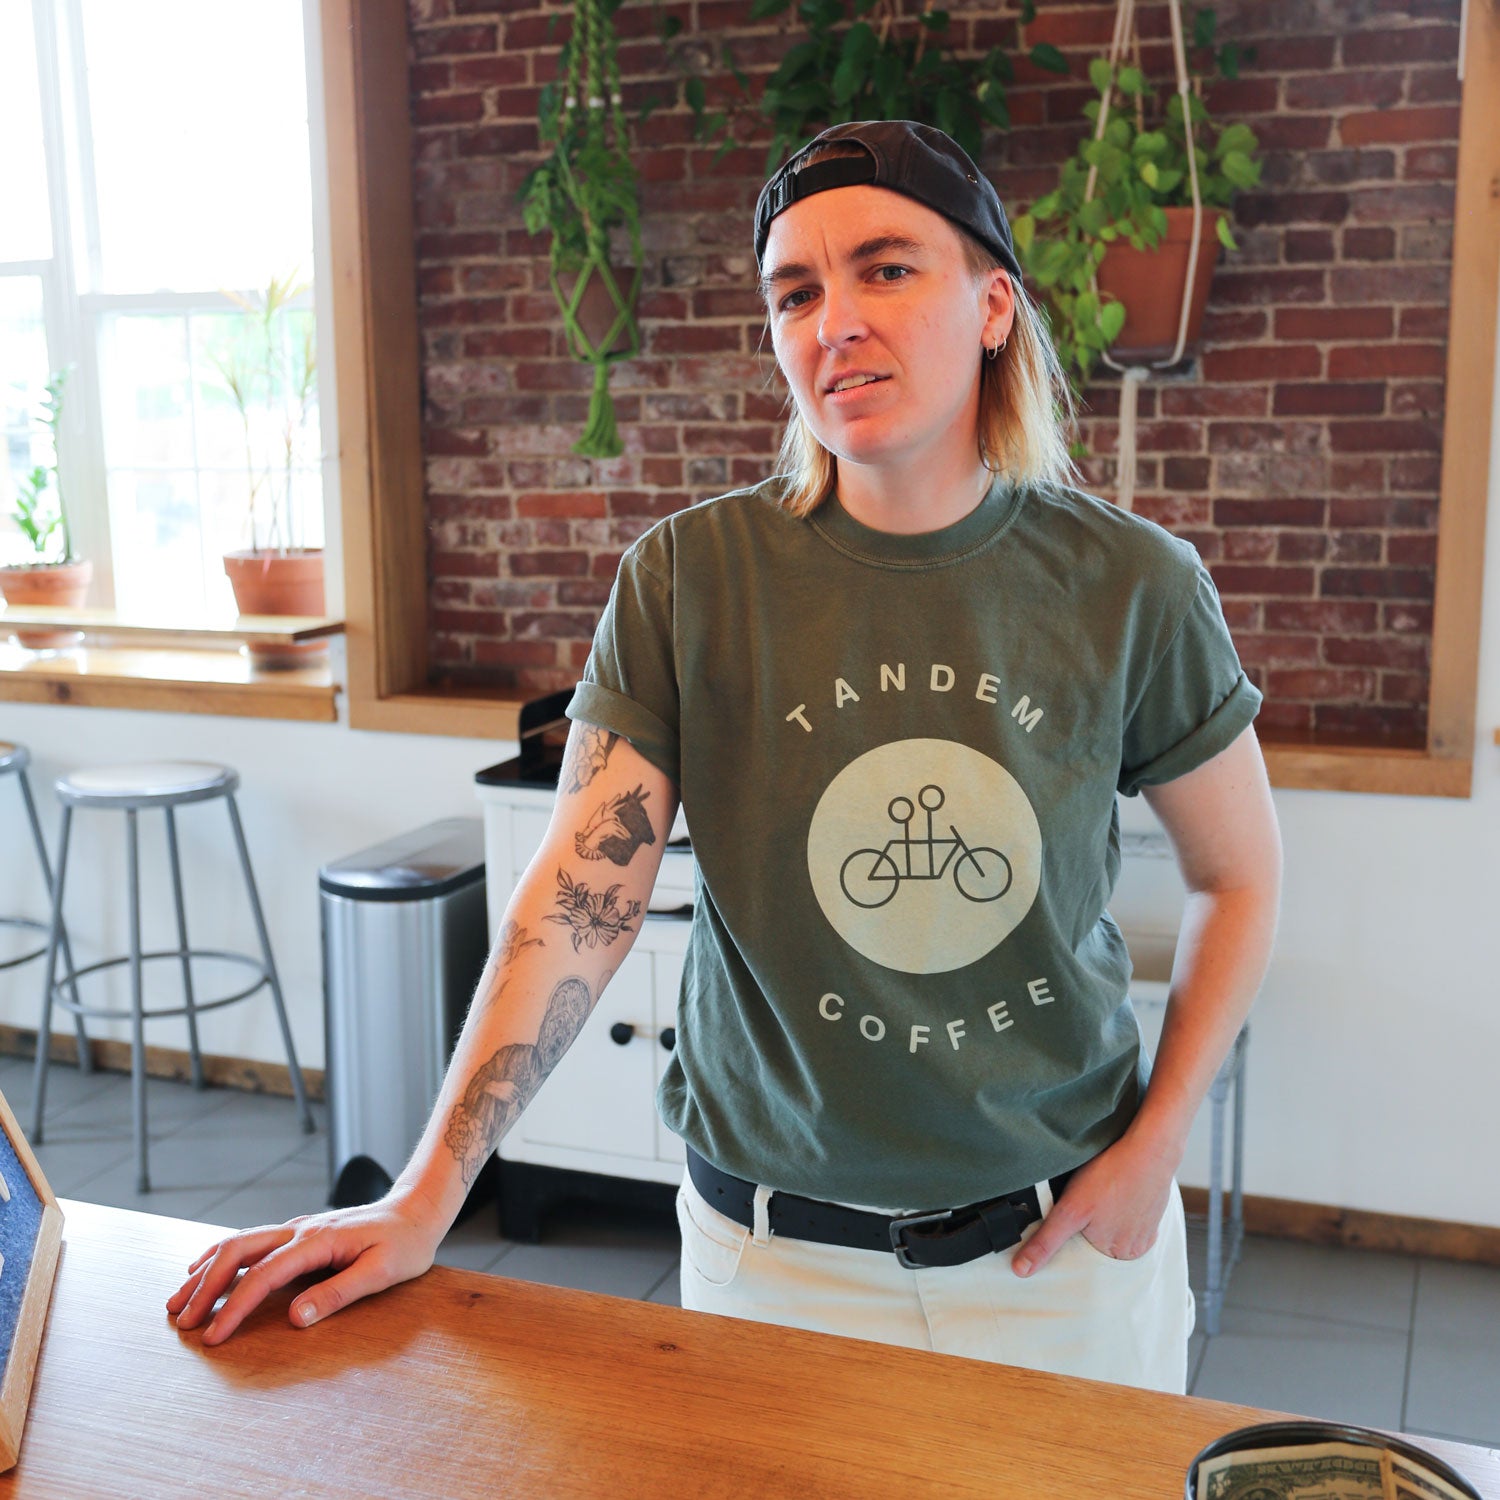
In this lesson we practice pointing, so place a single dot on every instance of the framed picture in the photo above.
(30, 1239)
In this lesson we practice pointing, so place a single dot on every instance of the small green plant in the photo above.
(1140, 168)
(270, 373)
(862, 60)
(38, 510)
(582, 190)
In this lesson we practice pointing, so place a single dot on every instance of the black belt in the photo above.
(947, 1238)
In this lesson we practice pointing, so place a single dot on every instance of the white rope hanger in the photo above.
(1134, 375)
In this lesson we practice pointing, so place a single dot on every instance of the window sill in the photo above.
(1390, 770)
(138, 664)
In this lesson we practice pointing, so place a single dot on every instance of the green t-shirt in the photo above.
(898, 757)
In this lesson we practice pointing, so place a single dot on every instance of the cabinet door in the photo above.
(599, 1097)
(668, 981)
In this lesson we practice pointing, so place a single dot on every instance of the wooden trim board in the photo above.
(245, 1074)
(1361, 1229)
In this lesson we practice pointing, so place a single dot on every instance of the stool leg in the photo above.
(137, 1007)
(270, 962)
(44, 1025)
(182, 948)
(85, 1057)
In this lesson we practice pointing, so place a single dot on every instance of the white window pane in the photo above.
(148, 416)
(199, 127)
(25, 229)
(23, 387)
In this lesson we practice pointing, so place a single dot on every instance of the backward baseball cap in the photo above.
(919, 161)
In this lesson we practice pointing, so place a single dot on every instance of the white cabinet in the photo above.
(597, 1112)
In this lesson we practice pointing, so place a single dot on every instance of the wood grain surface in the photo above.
(464, 1384)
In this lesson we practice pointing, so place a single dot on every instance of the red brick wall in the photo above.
(1300, 453)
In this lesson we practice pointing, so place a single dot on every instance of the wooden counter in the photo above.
(464, 1384)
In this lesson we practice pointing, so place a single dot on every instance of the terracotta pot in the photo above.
(1150, 282)
(53, 585)
(279, 583)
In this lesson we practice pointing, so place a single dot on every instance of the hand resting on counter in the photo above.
(371, 1247)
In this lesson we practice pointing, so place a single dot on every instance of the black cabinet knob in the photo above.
(668, 1037)
(621, 1032)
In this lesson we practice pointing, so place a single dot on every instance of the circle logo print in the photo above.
(924, 855)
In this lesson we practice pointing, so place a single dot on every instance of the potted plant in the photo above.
(270, 372)
(1108, 248)
(585, 188)
(60, 581)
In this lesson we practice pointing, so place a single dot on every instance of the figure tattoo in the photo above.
(618, 828)
(502, 1087)
(593, 918)
(588, 754)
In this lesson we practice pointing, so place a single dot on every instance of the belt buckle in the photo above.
(912, 1221)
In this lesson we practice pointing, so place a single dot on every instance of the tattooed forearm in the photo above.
(502, 1087)
(618, 828)
(593, 918)
(513, 938)
(588, 754)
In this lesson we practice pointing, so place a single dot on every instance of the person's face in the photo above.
(862, 281)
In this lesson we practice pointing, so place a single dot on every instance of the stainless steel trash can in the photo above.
(404, 943)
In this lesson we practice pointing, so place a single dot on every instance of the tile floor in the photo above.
(1383, 1340)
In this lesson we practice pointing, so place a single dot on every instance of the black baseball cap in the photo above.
(917, 160)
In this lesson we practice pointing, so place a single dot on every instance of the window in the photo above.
(159, 188)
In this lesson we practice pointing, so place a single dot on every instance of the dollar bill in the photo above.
(1411, 1481)
(1314, 1471)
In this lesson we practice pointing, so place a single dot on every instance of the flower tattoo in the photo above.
(594, 918)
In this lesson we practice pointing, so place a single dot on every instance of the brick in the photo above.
(1413, 204)
(1263, 362)
(1394, 284)
(1169, 437)
(1239, 545)
(1347, 512)
(1334, 323)
(1287, 54)
(1387, 360)
(1291, 207)
(1433, 85)
(1357, 475)
(1329, 398)
(695, 338)
(1412, 551)
(1383, 437)
(1283, 719)
(1176, 512)
(1354, 547)
(1379, 583)
(1308, 245)
(1365, 724)
(1324, 684)
(644, 503)
(1431, 164)
(1294, 132)
(723, 440)
(552, 625)
(678, 406)
(450, 245)
(1417, 398)
(467, 621)
(1270, 438)
(583, 592)
(1301, 546)
(515, 653)
(1437, 122)
(1403, 687)
(1186, 473)
(447, 440)
(447, 109)
(1323, 617)
(489, 72)
(508, 343)
(454, 41)
(1277, 650)
(1426, 242)
(1215, 401)
(1406, 618)
(574, 503)
(1400, 44)
(1367, 244)
(1421, 472)
(1372, 651)
(1424, 322)
(1273, 582)
(463, 565)
(1349, 168)
(1338, 90)
(1289, 510)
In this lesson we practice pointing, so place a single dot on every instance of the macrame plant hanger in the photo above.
(592, 109)
(1133, 375)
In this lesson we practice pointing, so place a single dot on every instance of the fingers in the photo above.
(299, 1256)
(361, 1279)
(216, 1268)
(1059, 1226)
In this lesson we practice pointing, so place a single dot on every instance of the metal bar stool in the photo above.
(13, 762)
(134, 789)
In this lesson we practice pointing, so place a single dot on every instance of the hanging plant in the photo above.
(1121, 188)
(857, 60)
(584, 189)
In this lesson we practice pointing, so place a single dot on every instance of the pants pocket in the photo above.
(711, 1243)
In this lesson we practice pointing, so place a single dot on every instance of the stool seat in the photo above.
(13, 757)
(162, 783)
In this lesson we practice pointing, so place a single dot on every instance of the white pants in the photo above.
(1082, 1313)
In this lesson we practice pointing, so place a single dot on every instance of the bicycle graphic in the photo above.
(871, 877)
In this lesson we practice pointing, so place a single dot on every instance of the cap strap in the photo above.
(840, 171)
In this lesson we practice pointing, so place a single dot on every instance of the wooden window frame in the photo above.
(378, 376)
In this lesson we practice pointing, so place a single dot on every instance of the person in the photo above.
(898, 688)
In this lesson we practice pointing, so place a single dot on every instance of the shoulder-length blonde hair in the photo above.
(1026, 406)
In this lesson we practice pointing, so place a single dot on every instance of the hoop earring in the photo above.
(990, 353)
